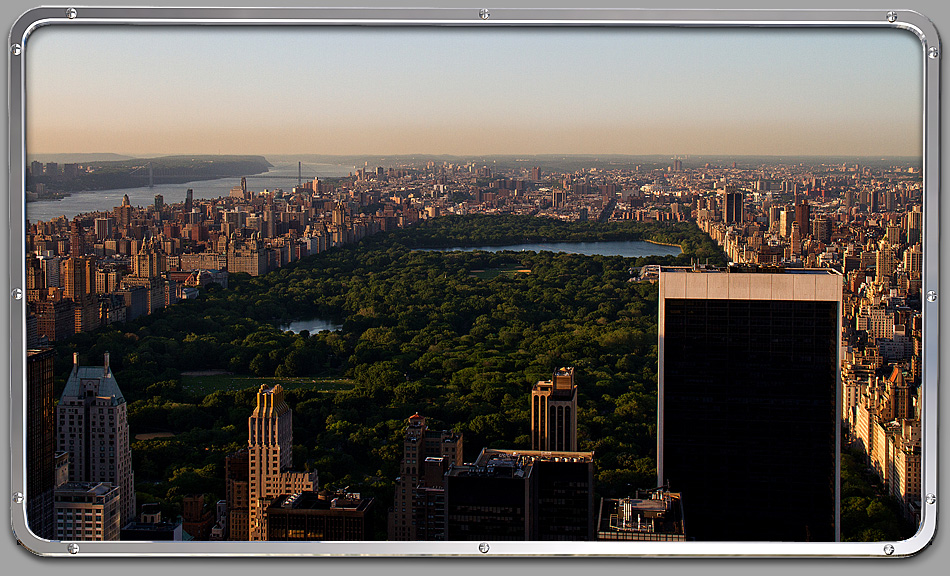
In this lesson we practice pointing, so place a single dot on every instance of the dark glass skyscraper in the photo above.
(40, 441)
(748, 401)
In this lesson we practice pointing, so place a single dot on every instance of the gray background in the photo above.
(17, 560)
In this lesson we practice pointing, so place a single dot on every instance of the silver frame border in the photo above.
(912, 21)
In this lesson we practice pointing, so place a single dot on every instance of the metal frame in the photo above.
(474, 17)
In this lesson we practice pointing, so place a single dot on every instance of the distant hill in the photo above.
(135, 172)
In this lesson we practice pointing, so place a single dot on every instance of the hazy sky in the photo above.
(331, 90)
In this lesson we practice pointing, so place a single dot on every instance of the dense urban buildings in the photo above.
(93, 430)
(751, 405)
(748, 400)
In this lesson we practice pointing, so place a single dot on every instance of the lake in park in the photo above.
(625, 248)
(312, 326)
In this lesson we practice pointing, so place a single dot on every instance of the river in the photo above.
(625, 248)
(283, 175)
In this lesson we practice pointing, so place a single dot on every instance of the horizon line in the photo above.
(676, 156)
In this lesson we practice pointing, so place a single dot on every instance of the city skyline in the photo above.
(468, 91)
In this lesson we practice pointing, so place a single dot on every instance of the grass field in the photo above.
(205, 384)
(490, 273)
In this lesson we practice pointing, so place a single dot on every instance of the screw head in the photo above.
(933, 52)
(71, 13)
(888, 549)
(892, 16)
(16, 49)
(16, 293)
(484, 14)
(18, 497)
(483, 547)
(73, 548)
(931, 498)
(932, 296)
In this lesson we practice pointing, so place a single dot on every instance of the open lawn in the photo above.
(202, 385)
(490, 273)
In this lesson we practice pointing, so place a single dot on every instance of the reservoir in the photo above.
(625, 248)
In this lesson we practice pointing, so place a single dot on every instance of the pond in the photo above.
(312, 326)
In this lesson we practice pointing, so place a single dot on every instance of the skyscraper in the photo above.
(554, 412)
(40, 442)
(803, 215)
(270, 451)
(748, 401)
(521, 495)
(94, 431)
(414, 488)
(732, 205)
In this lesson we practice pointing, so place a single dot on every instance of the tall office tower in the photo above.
(913, 261)
(785, 222)
(189, 200)
(915, 220)
(419, 445)
(55, 319)
(80, 287)
(554, 412)
(775, 215)
(803, 216)
(40, 442)
(884, 263)
(748, 401)
(536, 173)
(123, 213)
(795, 242)
(159, 203)
(270, 454)
(339, 214)
(75, 238)
(236, 490)
(732, 205)
(821, 228)
(93, 429)
(893, 234)
(521, 495)
(104, 227)
(873, 203)
(88, 511)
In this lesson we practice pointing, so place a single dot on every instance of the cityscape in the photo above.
(424, 283)
(773, 295)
